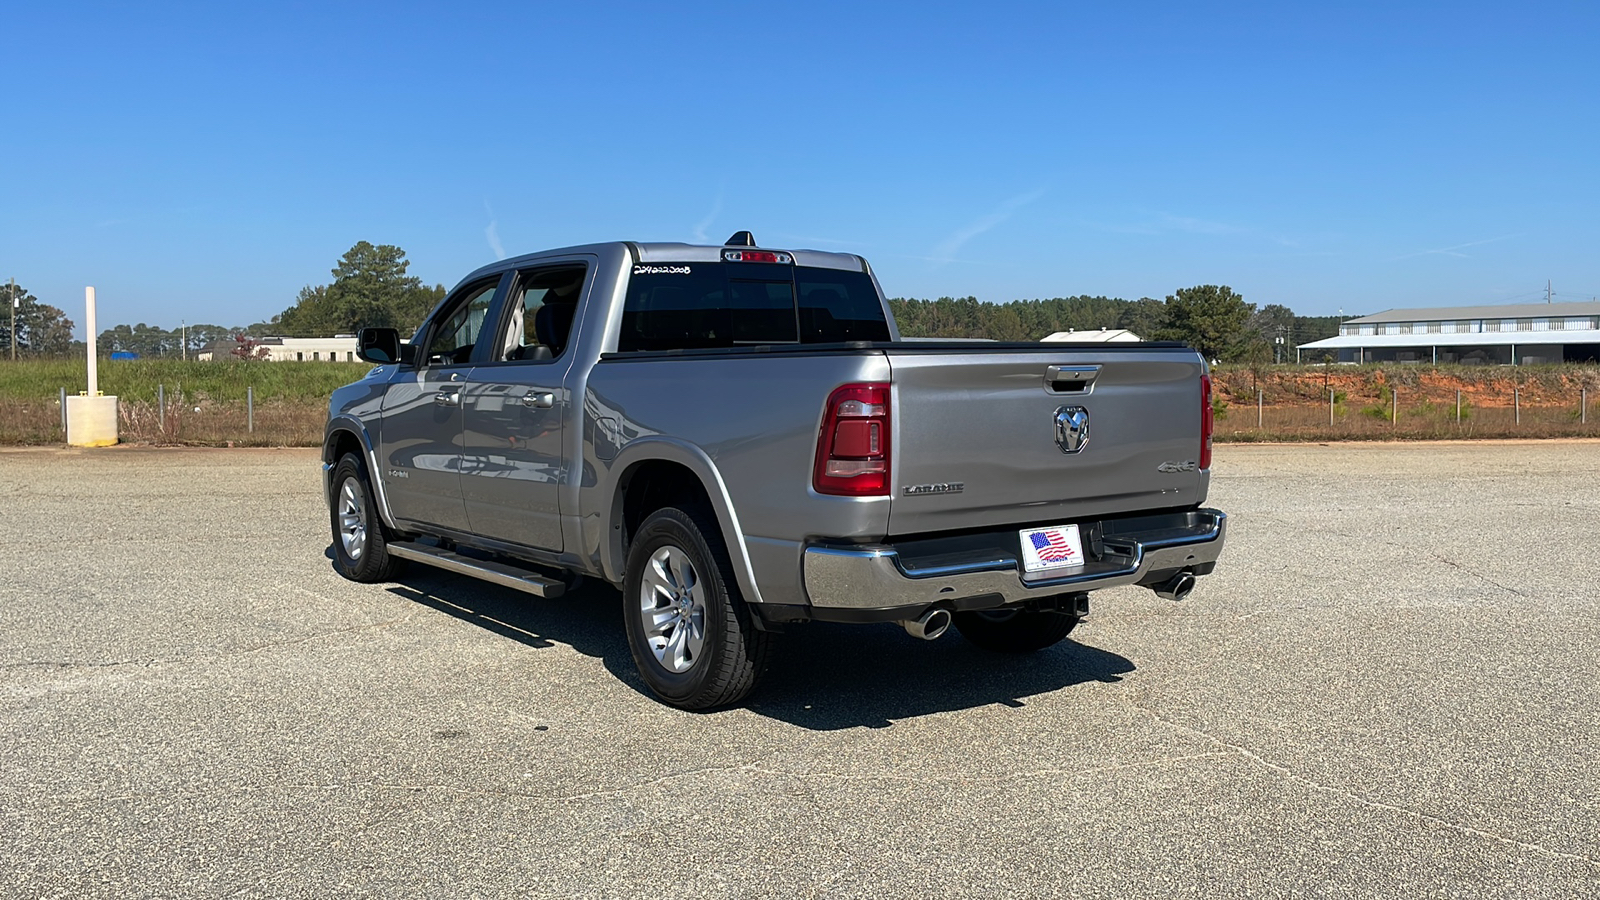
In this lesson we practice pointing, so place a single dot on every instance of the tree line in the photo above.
(1213, 319)
(371, 287)
(41, 329)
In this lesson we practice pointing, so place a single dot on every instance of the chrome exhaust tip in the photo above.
(1178, 588)
(929, 626)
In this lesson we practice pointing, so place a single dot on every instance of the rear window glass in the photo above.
(692, 306)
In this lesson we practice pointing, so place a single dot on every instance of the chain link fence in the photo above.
(175, 416)
(1378, 404)
(1279, 403)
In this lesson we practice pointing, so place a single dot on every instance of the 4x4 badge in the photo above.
(1072, 428)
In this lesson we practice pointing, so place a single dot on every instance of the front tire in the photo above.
(360, 550)
(1015, 630)
(689, 631)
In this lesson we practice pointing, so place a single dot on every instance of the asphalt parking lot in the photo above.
(1389, 688)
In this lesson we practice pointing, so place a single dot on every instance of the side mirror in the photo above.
(382, 345)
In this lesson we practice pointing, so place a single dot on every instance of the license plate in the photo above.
(1057, 547)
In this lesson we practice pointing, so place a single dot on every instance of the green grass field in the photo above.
(205, 401)
(136, 380)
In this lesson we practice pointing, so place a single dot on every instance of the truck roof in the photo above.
(667, 251)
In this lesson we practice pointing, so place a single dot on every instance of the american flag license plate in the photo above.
(1057, 547)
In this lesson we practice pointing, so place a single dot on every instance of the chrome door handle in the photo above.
(538, 399)
(447, 398)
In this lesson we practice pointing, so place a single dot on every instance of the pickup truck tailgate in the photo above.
(988, 421)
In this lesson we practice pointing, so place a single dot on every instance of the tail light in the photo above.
(1205, 421)
(853, 448)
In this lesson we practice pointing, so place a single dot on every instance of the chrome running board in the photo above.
(503, 574)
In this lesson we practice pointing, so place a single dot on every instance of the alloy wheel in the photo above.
(672, 608)
(353, 518)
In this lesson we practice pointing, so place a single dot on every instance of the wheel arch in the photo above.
(347, 435)
(656, 472)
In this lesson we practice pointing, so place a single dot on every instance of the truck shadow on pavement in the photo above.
(827, 677)
(822, 677)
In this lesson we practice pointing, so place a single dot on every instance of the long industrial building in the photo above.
(288, 349)
(1522, 334)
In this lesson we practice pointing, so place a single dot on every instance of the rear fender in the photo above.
(613, 556)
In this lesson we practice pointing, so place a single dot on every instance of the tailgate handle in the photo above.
(1070, 379)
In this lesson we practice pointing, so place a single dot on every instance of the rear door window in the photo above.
(543, 305)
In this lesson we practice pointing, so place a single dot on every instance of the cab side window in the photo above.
(452, 341)
(543, 304)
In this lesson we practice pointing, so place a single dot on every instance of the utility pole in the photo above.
(1547, 291)
(13, 320)
(185, 323)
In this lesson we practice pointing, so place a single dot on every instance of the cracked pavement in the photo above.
(1387, 689)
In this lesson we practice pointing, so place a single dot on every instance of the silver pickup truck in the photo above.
(739, 440)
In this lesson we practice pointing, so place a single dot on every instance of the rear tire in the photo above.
(360, 547)
(1015, 630)
(689, 631)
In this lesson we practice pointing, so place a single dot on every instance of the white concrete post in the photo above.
(94, 361)
(91, 417)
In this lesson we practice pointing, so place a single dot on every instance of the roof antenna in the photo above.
(740, 239)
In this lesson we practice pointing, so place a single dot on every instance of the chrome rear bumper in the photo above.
(877, 578)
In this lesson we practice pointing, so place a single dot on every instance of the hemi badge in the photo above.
(953, 487)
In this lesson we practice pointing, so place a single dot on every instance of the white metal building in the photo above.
(1104, 335)
(285, 349)
(1521, 334)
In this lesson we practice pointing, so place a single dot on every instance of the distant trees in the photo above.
(1020, 320)
(1145, 317)
(142, 339)
(370, 288)
(42, 329)
(149, 340)
(1213, 319)
(1274, 325)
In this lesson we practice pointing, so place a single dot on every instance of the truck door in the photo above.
(516, 410)
(421, 430)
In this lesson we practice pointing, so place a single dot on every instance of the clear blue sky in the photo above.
(205, 161)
